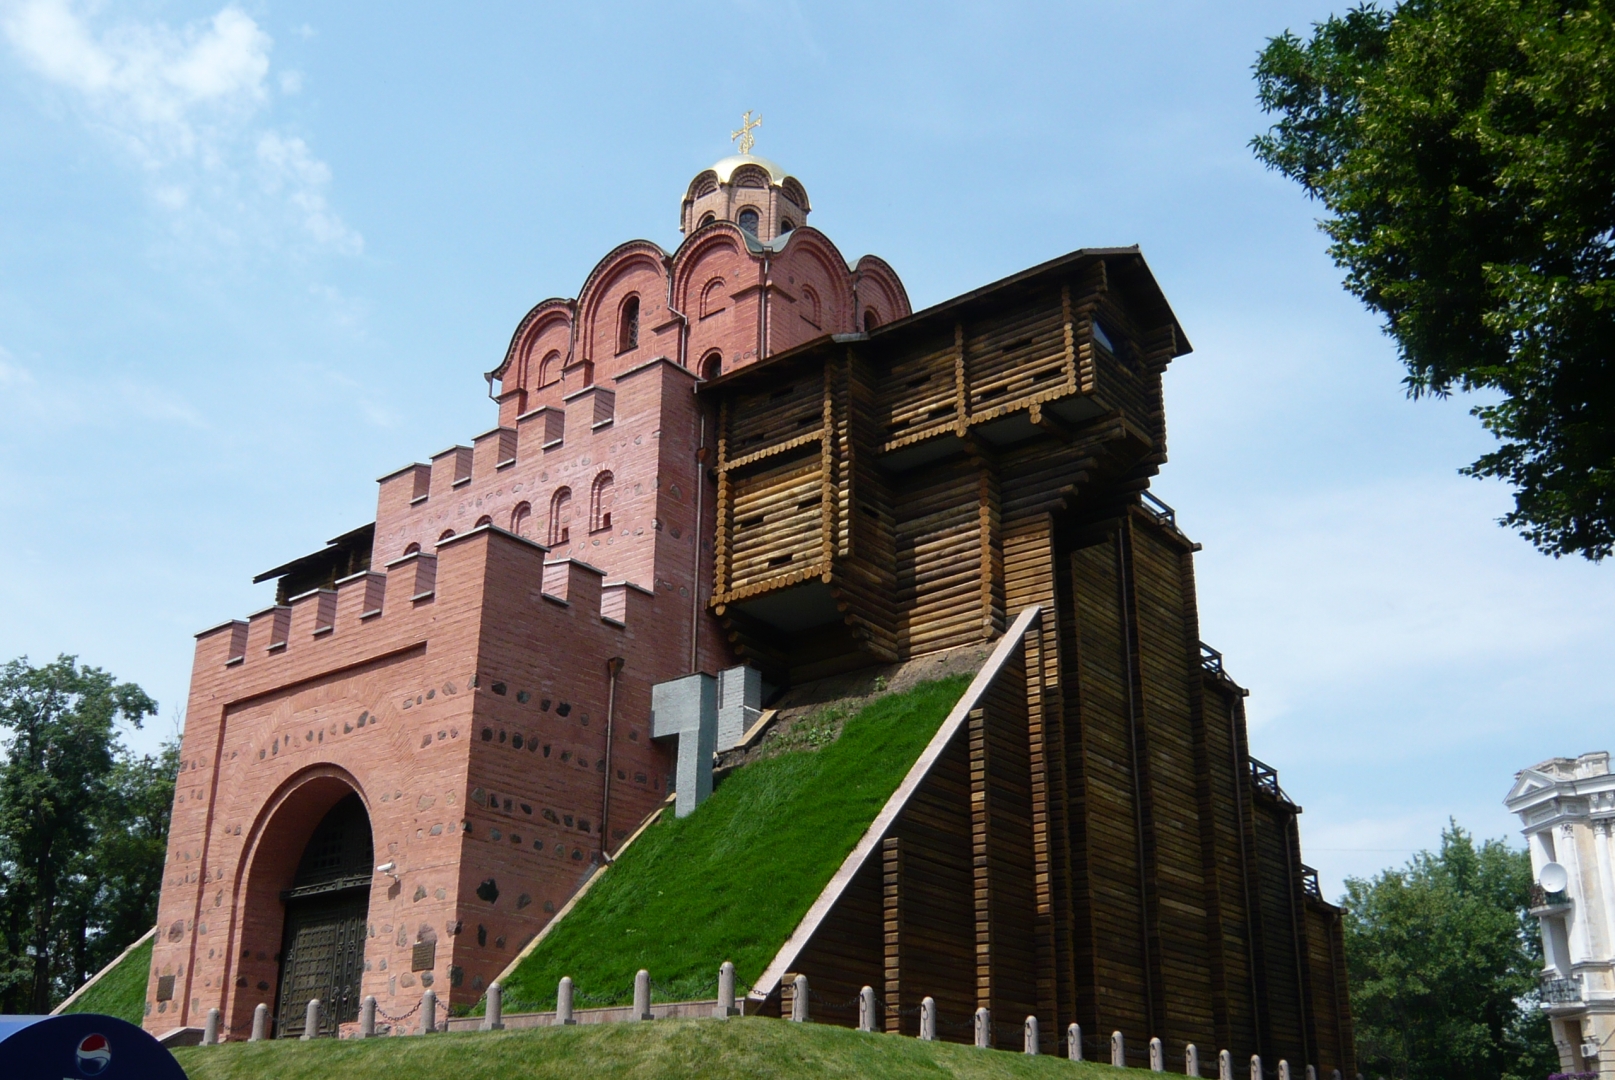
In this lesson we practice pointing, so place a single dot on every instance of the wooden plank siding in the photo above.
(1119, 973)
(1183, 939)
(1093, 844)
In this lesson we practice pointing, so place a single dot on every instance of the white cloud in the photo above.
(289, 168)
(185, 104)
(156, 88)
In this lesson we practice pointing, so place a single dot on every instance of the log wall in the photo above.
(1096, 844)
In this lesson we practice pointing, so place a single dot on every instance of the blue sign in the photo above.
(76, 1046)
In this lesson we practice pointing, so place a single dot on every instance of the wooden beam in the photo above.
(892, 909)
(981, 851)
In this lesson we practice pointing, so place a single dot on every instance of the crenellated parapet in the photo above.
(375, 609)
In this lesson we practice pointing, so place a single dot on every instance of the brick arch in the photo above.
(273, 847)
(815, 260)
(717, 252)
(607, 285)
(879, 287)
(544, 317)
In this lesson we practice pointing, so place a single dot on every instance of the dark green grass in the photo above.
(732, 880)
(122, 993)
(710, 1049)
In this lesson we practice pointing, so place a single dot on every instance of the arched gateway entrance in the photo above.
(322, 947)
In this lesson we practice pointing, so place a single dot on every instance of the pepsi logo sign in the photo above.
(94, 1055)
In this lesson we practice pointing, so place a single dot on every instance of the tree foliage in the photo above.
(1464, 151)
(83, 827)
(1443, 960)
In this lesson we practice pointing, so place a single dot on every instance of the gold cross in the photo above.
(744, 134)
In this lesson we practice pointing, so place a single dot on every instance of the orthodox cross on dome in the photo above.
(744, 134)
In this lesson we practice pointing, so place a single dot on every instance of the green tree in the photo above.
(82, 823)
(1443, 960)
(1463, 150)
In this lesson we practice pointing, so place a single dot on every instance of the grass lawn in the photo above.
(122, 993)
(732, 880)
(711, 1049)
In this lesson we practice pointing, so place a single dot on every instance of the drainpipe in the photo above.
(613, 668)
(762, 322)
(684, 320)
(700, 521)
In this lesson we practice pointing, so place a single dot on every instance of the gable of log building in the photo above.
(1094, 842)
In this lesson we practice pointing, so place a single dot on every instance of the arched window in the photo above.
(628, 325)
(706, 219)
(748, 220)
(871, 320)
(413, 549)
(712, 297)
(549, 369)
(810, 305)
(447, 533)
(785, 226)
(521, 520)
(600, 498)
(483, 520)
(561, 517)
(712, 366)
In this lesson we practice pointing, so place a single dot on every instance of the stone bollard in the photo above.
(799, 1000)
(210, 1033)
(1256, 1067)
(367, 1017)
(1312, 1074)
(984, 1028)
(493, 1017)
(428, 1012)
(1225, 1065)
(1073, 1042)
(260, 1023)
(1157, 1056)
(1284, 1069)
(726, 992)
(1118, 1050)
(1191, 1060)
(311, 1020)
(928, 1019)
(642, 995)
(1029, 1036)
(866, 1009)
(563, 1001)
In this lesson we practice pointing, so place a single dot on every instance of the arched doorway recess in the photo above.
(322, 947)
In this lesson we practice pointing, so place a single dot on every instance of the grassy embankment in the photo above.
(732, 880)
(710, 1049)
(122, 991)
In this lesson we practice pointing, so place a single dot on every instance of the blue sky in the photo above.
(253, 256)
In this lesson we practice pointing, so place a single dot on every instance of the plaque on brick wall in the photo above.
(165, 988)
(424, 958)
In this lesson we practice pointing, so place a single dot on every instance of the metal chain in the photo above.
(398, 1019)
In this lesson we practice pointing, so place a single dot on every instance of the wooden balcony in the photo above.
(862, 479)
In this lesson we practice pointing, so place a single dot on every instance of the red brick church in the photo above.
(467, 680)
(396, 774)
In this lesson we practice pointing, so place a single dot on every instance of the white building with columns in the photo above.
(1568, 808)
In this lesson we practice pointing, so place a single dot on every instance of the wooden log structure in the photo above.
(1089, 838)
